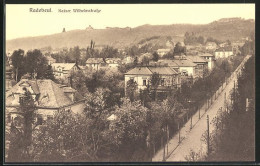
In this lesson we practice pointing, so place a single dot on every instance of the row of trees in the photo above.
(235, 139)
(32, 63)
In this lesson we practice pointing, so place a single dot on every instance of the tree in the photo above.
(145, 60)
(36, 63)
(49, 73)
(129, 128)
(18, 63)
(155, 56)
(155, 81)
(76, 54)
(131, 87)
(22, 139)
(78, 78)
(178, 49)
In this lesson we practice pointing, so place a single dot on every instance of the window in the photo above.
(144, 82)
(49, 117)
(162, 82)
(39, 120)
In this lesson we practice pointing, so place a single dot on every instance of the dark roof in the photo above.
(50, 93)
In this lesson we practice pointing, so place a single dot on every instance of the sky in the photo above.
(20, 22)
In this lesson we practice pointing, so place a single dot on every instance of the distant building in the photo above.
(128, 59)
(49, 98)
(62, 71)
(103, 63)
(50, 60)
(95, 63)
(142, 76)
(113, 63)
(162, 52)
(223, 52)
(211, 46)
(209, 58)
(201, 63)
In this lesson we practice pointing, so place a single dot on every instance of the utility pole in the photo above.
(208, 132)
(179, 132)
(191, 122)
(199, 113)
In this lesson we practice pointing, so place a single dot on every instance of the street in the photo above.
(191, 138)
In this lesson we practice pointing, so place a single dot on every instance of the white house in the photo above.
(162, 52)
(62, 71)
(113, 63)
(223, 52)
(95, 63)
(209, 58)
(201, 63)
(211, 46)
(142, 76)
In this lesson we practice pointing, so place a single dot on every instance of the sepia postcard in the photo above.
(129, 83)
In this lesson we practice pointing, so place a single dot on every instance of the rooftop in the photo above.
(149, 70)
(65, 66)
(196, 59)
(95, 60)
(51, 95)
(206, 55)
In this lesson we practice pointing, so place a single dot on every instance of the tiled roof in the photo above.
(162, 70)
(95, 60)
(184, 63)
(139, 71)
(64, 66)
(196, 59)
(205, 54)
(50, 93)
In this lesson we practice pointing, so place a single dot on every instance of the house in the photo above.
(128, 59)
(147, 55)
(209, 58)
(48, 97)
(113, 63)
(95, 63)
(162, 52)
(169, 78)
(50, 60)
(62, 71)
(103, 63)
(211, 46)
(223, 52)
(201, 63)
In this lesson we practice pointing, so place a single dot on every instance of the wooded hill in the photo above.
(223, 29)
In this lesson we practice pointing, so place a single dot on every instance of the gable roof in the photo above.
(196, 59)
(64, 66)
(206, 55)
(139, 71)
(162, 70)
(95, 60)
(184, 63)
(50, 94)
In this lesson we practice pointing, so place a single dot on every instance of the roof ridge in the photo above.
(54, 92)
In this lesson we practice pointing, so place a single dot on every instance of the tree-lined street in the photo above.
(191, 138)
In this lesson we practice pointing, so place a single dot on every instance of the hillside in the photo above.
(223, 29)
